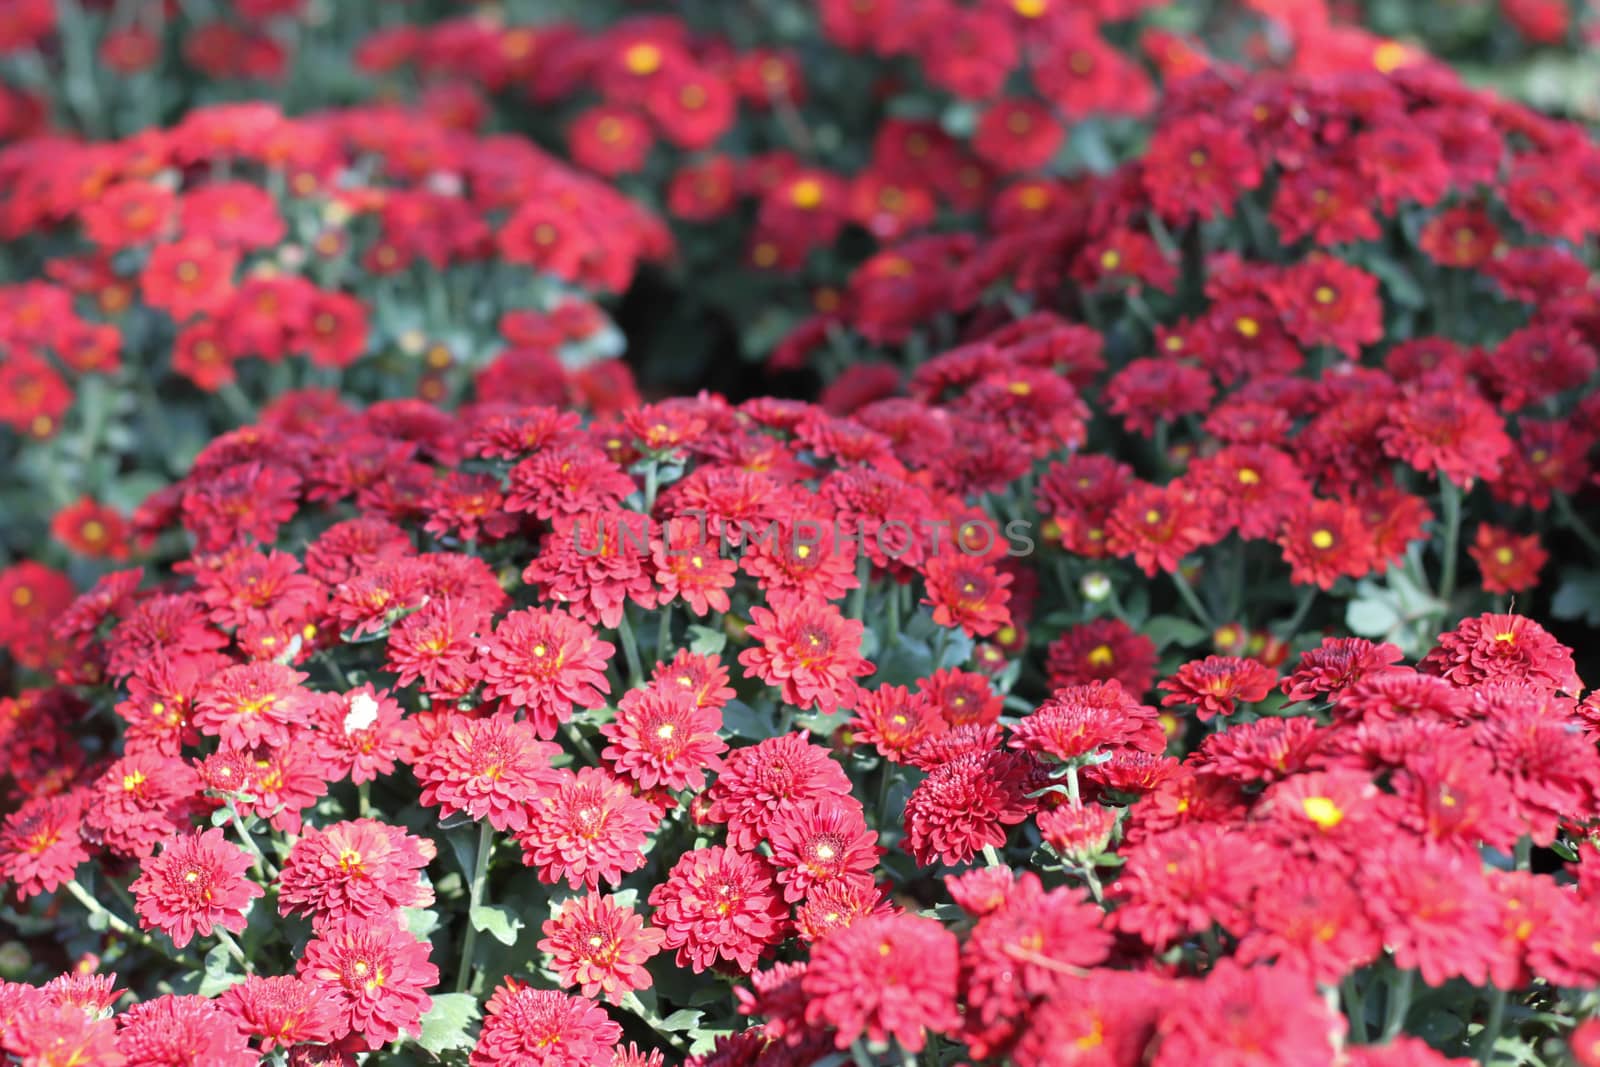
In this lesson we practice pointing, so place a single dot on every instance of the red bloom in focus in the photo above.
(526, 1027)
(1337, 664)
(486, 768)
(1157, 526)
(601, 946)
(587, 828)
(196, 882)
(91, 529)
(375, 973)
(965, 804)
(1216, 685)
(966, 591)
(282, 1011)
(1078, 720)
(720, 905)
(661, 736)
(142, 799)
(820, 842)
(41, 844)
(1324, 541)
(809, 650)
(180, 1030)
(882, 977)
(1503, 648)
(252, 703)
(1508, 563)
(363, 867)
(894, 721)
(547, 662)
(758, 782)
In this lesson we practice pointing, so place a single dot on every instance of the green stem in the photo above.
(651, 486)
(233, 949)
(260, 863)
(364, 799)
(1450, 506)
(1302, 608)
(941, 638)
(1355, 1008)
(885, 783)
(581, 743)
(663, 633)
(894, 614)
(858, 598)
(131, 932)
(630, 649)
(1072, 784)
(1187, 594)
(480, 877)
(859, 1054)
(1575, 523)
(1399, 1002)
(1492, 1027)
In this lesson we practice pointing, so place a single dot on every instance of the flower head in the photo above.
(600, 945)
(196, 882)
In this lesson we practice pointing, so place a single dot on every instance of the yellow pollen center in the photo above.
(1322, 811)
(1322, 539)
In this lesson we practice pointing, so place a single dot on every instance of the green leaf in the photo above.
(217, 976)
(682, 1019)
(1578, 597)
(1167, 630)
(1402, 286)
(421, 922)
(497, 921)
(1371, 617)
(706, 640)
(448, 1023)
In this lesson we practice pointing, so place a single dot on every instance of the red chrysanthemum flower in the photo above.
(888, 976)
(801, 557)
(42, 1033)
(835, 905)
(1182, 881)
(41, 844)
(894, 721)
(758, 782)
(363, 867)
(1100, 650)
(1078, 720)
(171, 1030)
(1433, 909)
(1216, 685)
(254, 703)
(1249, 1017)
(661, 736)
(1157, 526)
(720, 906)
(1445, 428)
(601, 946)
(1310, 918)
(548, 662)
(437, 646)
(688, 566)
(595, 564)
(196, 882)
(808, 650)
(1327, 540)
(487, 768)
(282, 1011)
(962, 697)
(586, 828)
(1509, 563)
(817, 842)
(967, 592)
(141, 800)
(1337, 664)
(965, 804)
(358, 734)
(1198, 167)
(527, 1027)
(1503, 647)
(1326, 301)
(375, 973)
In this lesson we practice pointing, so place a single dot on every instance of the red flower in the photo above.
(527, 1027)
(282, 1011)
(546, 661)
(196, 882)
(1433, 908)
(1326, 540)
(437, 645)
(1503, 647)
(1311, 918)
(187, 1029)
(189, 277)
(758, 782)
(688, 567)
(359, 734)
(818, 842)
(962, 697)
(882, 977)
(1017, 135)
(364, 868)
(1217, 684)
(1326, 301)
(1337, 664)
(1078, 720)
(1445, 428)
(91, 529)
(595, 564)
(1182, 881)
(720, 905)
(1508, 563)
(810, 651)
(375, 973)
(252, 703)
(487, 768)
(1198, 167)
(141, 800)
(967, 592)
(1249, 1017)
(600, 945)
(661, 736)
(1157, 527)
(587, 828)
(41, 844)
(894, 721)
(966, 804)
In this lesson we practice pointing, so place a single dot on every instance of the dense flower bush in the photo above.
(1159, 640)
